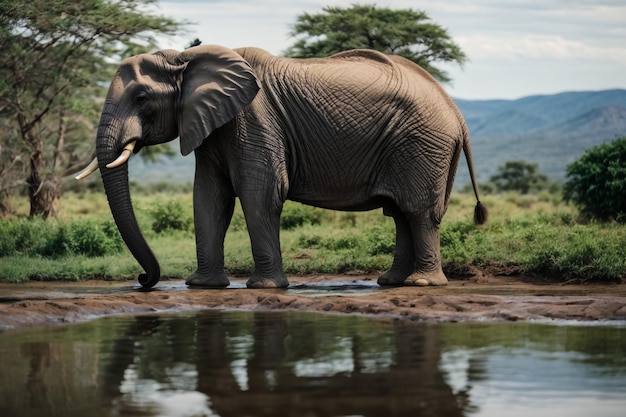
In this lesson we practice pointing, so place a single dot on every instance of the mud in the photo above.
(483, 298)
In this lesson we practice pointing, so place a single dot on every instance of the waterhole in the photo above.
(225, 363)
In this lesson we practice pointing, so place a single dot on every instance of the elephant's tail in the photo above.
(480, 211)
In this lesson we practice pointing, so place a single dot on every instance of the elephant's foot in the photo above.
(257, 281)
(393, 277)
(424, 279)
(207, 281)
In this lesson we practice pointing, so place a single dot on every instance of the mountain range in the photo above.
(550, 130)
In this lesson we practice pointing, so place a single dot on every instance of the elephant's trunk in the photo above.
(118, 193)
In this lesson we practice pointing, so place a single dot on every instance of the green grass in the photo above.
(534, 235)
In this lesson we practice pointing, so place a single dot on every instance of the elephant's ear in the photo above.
(217, 83)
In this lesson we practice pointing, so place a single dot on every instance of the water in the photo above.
(304, 364)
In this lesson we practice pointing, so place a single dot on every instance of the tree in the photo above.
(597, 182)
(56, 58)
(520, 176)
(406, 32)
(12, 167)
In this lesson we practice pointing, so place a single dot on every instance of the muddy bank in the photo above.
(487, 298)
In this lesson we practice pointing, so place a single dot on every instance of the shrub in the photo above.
(336, 243)
(238, 222)
(308, 241)
(19, 235)
(296, 215)
(47, 239)
(380, 240)
(579, 258)
(169, 216)
(597, 182)
(91, 239)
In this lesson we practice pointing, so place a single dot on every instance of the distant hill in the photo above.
(550, 130)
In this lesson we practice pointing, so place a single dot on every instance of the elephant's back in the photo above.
(361, 75)
(374, 79)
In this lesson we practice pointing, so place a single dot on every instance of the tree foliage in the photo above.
(405, 32)
(596, 182)
(56, 58)
(521, 176)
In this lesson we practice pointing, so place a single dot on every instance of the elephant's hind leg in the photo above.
(428, 270)
(404, 258)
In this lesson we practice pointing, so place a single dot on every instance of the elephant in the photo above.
(356, 131)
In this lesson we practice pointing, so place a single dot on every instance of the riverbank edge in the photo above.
(480, 299)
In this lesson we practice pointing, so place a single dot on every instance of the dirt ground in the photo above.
(482, 298)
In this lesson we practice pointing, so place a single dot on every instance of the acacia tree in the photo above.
(405, 32)
(520, 176)
(56, 58)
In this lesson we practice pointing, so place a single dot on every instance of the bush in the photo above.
(580, 258)
(296, 215)
(381, 240)
(238, 222)
(92, 239)
(597, 182)
(308, 241)
(333, 243)
(39, 238)
(25, 236)
(169, 216)
(337, 243)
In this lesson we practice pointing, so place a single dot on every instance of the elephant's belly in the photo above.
(344, 201)
(347, 185)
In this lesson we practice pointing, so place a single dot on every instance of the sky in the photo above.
(516, 48)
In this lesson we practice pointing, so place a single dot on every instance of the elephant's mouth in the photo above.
(127, 151)
(131, 147)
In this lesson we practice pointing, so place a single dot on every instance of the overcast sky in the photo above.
(516, 48)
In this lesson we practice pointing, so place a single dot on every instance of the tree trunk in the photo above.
(43, 193)
(5, 209)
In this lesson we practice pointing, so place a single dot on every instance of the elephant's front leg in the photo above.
(213, 205)
(263, 221)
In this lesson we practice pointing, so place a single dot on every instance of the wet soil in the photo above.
(482, 298)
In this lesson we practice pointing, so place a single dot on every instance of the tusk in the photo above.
(93, 165)
(128, 150)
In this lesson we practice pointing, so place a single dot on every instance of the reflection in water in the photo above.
(39, 355)
(302, 364)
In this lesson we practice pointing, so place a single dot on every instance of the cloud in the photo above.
(547, 46)
(538, 47)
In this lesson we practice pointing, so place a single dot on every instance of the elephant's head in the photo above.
(154, 99)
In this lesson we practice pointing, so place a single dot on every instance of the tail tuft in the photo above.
(481, 214)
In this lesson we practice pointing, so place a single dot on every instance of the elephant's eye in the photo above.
(141, 99)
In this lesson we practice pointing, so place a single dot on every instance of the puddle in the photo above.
(53, 292)
(224, 363)
(335, 288)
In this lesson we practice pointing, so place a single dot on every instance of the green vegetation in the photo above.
(597, 182)
(405, 32)
(526, 234)
(169, 216)
(56, 59)
(520, 176)
(53, 240)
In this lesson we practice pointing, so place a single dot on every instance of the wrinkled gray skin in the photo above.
(356, 131)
